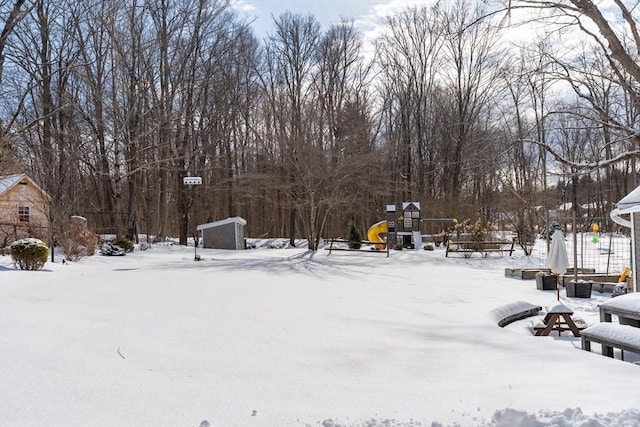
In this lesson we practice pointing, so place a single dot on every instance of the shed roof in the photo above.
(9, 181)
(230, 220)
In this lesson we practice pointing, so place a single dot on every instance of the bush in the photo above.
(477, 231)
(110, 249)
(428, 247)
(125, 244)
(78, 241)
(29, 254)
(353, 236)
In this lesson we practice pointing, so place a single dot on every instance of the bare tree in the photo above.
(341, 164)
(528, 82)
(206, 42)
(14, 12)
(292, 48)
(409, 54)
(470, 75)
(616, 39)
(439, 69)
(50, 139)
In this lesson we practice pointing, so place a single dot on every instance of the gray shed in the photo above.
(630, 205)
(224, 234)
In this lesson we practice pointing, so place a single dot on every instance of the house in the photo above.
(630, 205)
(225, 234)
(23, 209)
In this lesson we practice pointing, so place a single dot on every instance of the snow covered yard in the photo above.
(285, 337)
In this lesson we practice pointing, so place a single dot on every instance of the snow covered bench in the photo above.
(610, 336)
(515, 311)
(626, 307)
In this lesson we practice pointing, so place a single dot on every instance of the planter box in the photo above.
(546, 282)
(587, 276)
(579, 289)
(524, 273)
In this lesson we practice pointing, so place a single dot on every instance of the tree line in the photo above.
(108, 105)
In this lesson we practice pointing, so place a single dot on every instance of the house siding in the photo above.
(23, 194)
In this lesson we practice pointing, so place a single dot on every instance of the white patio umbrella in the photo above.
(557, 260)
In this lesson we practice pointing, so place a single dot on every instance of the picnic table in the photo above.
(624, 335)
(558, 318)
(626, 306)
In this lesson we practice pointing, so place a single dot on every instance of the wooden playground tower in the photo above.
(403, 225)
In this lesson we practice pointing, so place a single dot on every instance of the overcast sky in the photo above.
(365, 13)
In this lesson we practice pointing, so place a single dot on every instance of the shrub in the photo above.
(29, 254)
(428, 247)
(474, 232)
(125, 244)
(111, 250)
(78, 241)
(353, 236)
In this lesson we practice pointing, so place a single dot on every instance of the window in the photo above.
(23, 213)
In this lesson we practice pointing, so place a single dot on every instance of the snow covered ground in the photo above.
(286, 337)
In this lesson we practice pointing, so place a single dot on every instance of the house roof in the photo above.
(630, 201)
(628, 204)
(9, 181)
(235, 219)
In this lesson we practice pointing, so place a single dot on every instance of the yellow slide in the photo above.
(374, 234)
(623, 276)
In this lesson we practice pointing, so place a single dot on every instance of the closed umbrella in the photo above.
(557, 260)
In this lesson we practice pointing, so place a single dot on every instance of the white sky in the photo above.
(366, 14)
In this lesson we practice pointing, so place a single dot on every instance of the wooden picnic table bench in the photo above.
(610, 335)
(483, 247)
(558, 318)
(625, 334)
(626, 306)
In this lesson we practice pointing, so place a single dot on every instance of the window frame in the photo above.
(24, 214)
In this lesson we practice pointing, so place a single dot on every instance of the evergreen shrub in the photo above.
(353, 236)
(29, 254)
(125, 244)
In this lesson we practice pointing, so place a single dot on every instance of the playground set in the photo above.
(403, 230)
(400, 229)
